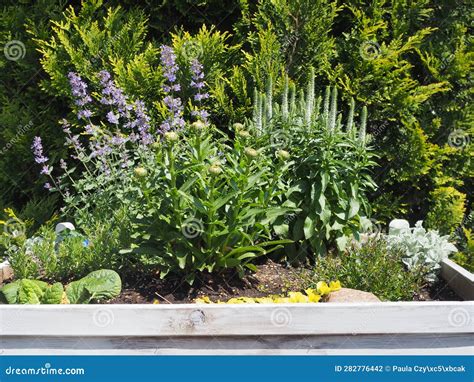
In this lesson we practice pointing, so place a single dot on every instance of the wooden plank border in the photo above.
(458, 278)
(236, 320)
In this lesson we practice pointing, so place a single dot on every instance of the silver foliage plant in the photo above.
(422, 248)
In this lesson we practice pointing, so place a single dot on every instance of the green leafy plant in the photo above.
(420, 248)
(330, 179)
(100, 285)
(45, 256)
(26, 291)
(207, 205)
(371, 267)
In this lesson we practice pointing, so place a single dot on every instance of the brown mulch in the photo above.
(270, 279)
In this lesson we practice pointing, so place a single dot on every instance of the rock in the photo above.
(6, 271)
(352, 295)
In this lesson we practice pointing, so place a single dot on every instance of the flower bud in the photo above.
(215, 169)
(251, 153)
(282, 155)
(238, 126)
(171, 136)
(140, 172)
(198, 125)
(243, 133)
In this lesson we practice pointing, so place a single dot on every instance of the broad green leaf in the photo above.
(53, 294)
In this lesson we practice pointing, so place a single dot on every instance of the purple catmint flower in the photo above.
(47, 186)
(46, 170)
(197, 82)
(112, 118)
(174, 104)
(85, 113)
(63, 164)
(37, 147)
(79, 89)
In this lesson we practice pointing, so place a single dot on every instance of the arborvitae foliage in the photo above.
(24, 109)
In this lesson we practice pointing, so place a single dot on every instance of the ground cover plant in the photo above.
(283, 130)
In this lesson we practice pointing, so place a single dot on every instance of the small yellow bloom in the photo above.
(323, 288)
(312, 295)
(298, 297)
(335, 285)
(203, 300)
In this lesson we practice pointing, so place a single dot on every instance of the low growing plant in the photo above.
(420, 248)
(100, 285)
(371, 267)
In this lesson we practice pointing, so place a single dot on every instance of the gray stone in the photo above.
(352, 295)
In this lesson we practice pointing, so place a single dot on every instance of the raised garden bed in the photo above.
(359, 328)
(429, 327)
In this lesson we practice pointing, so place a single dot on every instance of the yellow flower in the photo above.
(156, 301)
(298, 297)
(203, 300)
(312, 295)
(323, 288)
(335, 285)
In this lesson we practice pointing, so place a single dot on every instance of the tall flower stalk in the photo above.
(175, 120)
